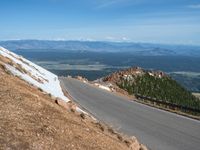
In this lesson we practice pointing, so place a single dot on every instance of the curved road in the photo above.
(159, 130)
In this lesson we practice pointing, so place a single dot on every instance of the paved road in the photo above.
(157, 129)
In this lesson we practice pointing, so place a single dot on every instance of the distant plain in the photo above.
(93, 65)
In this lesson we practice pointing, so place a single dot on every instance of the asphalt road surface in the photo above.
(157, 129)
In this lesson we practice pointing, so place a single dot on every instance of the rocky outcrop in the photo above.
(130, 73)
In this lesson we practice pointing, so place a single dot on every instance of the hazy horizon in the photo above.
(143, 21)
(102, 41)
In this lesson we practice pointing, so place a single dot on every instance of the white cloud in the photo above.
(100, 4)
(116, 39)
(195, 6)
(107, 3)
(125, 39)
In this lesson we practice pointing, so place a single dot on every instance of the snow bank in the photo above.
(81, 111)
(102, 87)
(35, 74)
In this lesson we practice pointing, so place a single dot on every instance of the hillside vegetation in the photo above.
(154, 85)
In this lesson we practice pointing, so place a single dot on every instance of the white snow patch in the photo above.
(37, 75)
(102, 86)
(81, 111)
(151, 74)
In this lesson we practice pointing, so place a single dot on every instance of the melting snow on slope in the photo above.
(102, 87)
(35, 75)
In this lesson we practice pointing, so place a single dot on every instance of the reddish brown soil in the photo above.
(30, 119)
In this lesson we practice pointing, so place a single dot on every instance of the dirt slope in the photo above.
(30, 119)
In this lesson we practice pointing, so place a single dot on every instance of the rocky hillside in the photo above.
(31, 117)
(154, 85)
(131, 73)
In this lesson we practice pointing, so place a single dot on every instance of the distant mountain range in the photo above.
(98, 46)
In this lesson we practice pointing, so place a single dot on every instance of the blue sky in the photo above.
(157, 21)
